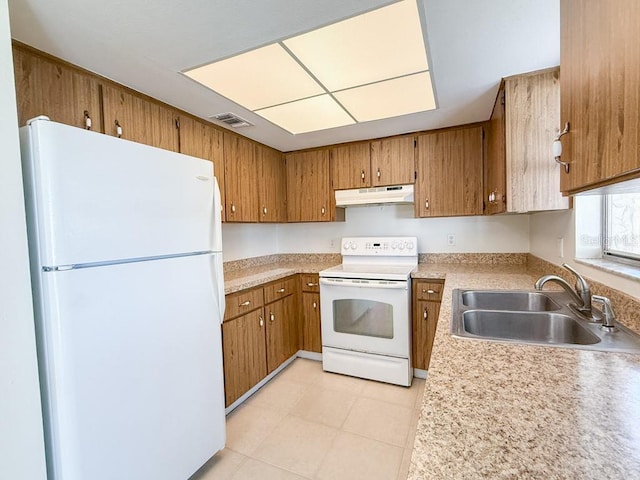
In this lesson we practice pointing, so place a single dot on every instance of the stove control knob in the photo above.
(409, 245)
(346, 245)
(401, 246)
(354, 245)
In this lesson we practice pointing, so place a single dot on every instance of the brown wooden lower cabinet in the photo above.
(426, 308)
(310, 309)
(282, 331)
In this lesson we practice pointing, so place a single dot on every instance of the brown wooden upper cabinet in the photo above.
(393, 161)
(600, 92)
(450, 173)
(272, 185)
(130, 116)
(309, 194)
(241, 180)
(53, 88)
(202, 140)
(351, 166)
(520, 173)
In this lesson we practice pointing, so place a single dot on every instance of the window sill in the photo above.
(620, 269)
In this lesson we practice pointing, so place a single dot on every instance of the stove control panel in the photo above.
(382, 246)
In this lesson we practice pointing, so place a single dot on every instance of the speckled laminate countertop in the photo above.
(253, 276)
(497, 411)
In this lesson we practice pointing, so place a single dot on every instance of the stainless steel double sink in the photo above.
(532, 317)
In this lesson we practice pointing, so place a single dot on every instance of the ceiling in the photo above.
(146, 44)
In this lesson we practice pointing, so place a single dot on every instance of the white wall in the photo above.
(21, 437)
(245, 240)
(546, 230)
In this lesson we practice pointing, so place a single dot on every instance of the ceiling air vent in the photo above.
(232, 120)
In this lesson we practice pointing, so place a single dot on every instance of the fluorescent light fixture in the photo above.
(368, 67)
(308, 115)
(378, 45)
(389, 98)
(260, 78)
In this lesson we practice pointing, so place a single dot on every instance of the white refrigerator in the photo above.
(125, 245)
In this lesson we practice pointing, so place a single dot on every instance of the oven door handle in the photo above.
(388, 284)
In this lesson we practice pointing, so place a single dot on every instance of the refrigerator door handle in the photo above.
(216, 241)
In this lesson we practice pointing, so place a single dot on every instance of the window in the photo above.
(621, 227)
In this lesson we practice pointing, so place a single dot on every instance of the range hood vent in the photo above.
(398, 194)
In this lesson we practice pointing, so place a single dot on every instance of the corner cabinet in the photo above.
(393, 161)
(520, 173)
(45, 86)
(600, 92)
(449, 170)
(309, 194)
(427, 295)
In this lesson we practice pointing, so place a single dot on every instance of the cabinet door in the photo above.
(309, 194)
(135, 118)
(425, 321)
(393, 161)
(244, 354)
(450, 173)
(272, 185)
(351, 166)
(495, 180)
(241, 179)
(312, 338)
(62, 93)
(599, 90)
(201, 140)
(282, 331)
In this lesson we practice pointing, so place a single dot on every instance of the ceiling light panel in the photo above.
(389, 98)
(260, 78)
(308, 115)
(378, 45)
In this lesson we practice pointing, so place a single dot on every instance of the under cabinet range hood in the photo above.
(400, 194)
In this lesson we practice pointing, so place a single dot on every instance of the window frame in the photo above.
(608, 253)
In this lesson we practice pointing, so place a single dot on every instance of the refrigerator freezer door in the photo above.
(133, 362)
(96, 198)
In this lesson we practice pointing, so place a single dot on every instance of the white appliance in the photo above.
(365, 306)
(125, 249)
(400, 194)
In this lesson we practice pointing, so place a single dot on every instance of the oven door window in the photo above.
(368, 318)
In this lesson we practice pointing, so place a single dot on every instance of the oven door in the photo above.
(369, 316)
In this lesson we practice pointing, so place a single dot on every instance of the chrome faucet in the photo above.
(581, 295)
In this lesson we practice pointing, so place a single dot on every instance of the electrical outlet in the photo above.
(560, 244)
(332, 242)
(451, 239)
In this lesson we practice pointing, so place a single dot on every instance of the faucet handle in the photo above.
(581, 283)
(607, 312)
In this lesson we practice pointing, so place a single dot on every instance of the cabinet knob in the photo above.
(311, 284)
(261, 323)
(118, 129)
(315, 305)
(233, 208)
(281, 290)
(378, 172)
(87, 120)
(264, 210)
(272, 317)
(322, 210)
(245, 304)
(362, 175)
(425, 314)
(426, 204)
(429, 291)
(557, 148)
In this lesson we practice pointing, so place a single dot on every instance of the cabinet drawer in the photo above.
(242, 302)
(279, 289)
(428, 290)
(310, 282)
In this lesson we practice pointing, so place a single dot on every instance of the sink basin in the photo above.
(509, 300)
(552, 328)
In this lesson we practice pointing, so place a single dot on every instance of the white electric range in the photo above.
(365, 306)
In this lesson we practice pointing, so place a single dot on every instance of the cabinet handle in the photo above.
(264, 210)
(430, 292)
(118, 129)
(362, 175)
(87, 120)
(281, 290)
(272, 317)
(425, 314)
(261, 321)
(311, 284)
(233, 208)
(322, 210)
(557, 148)
(378, 173)
(315, 305)
(426, 204)
(491, 197)
(245, 304)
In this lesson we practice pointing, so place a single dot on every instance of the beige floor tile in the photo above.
(403, 472)
(302, 370)
(405, 396)
(297, 445)
(329, 407)
(353, 457)
(249, 425)
(379, 420)
(223, 465)
(279, 394)
(344, 383)
(257, 470)
(413, 425)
